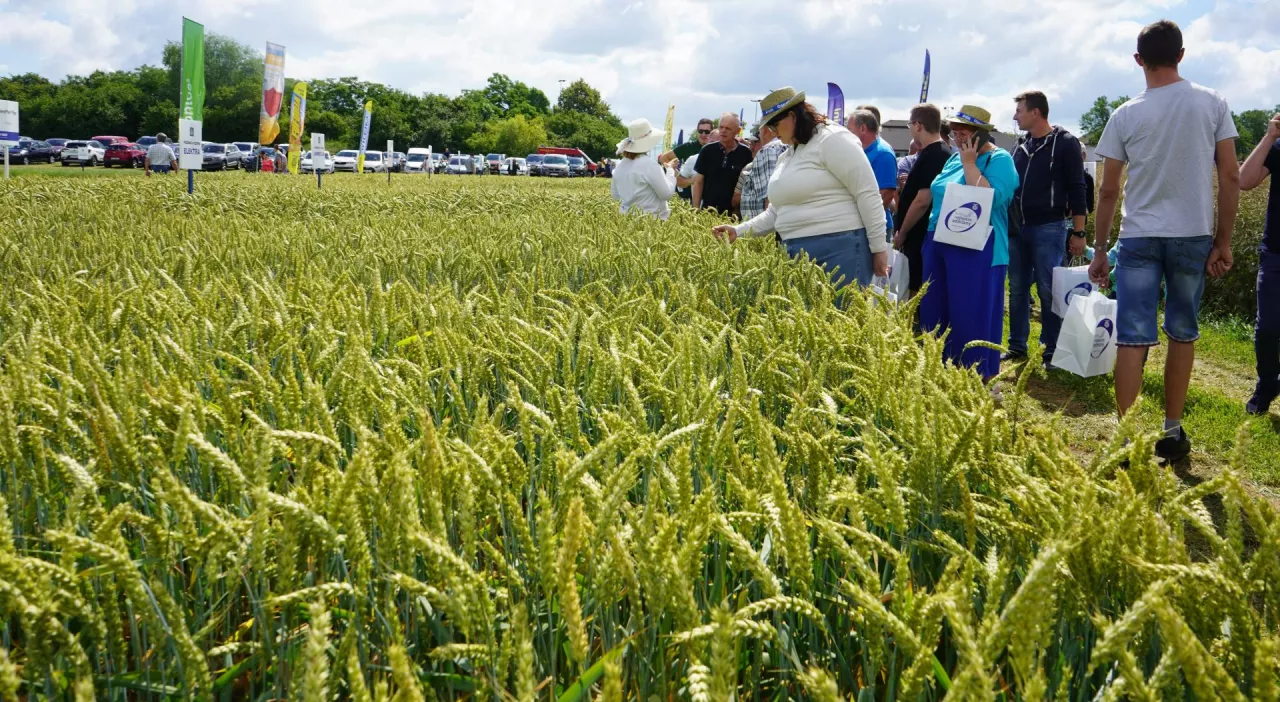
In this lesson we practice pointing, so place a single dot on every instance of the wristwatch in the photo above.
(1080, 234)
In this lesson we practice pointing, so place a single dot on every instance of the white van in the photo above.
(419, 160)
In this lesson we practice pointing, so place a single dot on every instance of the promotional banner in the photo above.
(272, 94)
(364, 135)
(835, 104)
(297, 113)
(924, 87)
(680, 140)
(667, 127)
(191, 113)
(8, 123)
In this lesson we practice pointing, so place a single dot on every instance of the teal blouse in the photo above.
(997, 167)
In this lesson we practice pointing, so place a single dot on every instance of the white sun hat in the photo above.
(641, 137)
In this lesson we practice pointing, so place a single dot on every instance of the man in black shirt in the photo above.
(718, 167)
(914, 202)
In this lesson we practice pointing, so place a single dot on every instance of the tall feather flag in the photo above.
(924, 87)
(742, 114)
(364, 135)
(297, 115)
(272, 94)
(680, 139)
(667, 127)
(835, 104)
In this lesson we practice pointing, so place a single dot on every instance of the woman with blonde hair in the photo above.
(823, 198)
(639, 183)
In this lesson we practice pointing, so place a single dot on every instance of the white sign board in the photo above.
(8, 123)
(190, 145)
(317, 151)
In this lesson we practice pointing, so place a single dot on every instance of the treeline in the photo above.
(1252, 124)
(505, 115)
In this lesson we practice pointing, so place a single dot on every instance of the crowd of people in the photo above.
(838, 195)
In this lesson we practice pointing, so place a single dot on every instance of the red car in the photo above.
(109, 140)
(130, 155)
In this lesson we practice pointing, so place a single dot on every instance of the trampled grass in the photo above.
(486, 439)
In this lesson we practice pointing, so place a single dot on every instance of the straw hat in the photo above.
(641, 137)
(973, 117)
(777, 102)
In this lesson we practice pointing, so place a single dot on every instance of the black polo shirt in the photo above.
(720, 171)
(929, 163)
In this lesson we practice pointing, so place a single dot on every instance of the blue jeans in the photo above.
(1141, 264)
(845, 256)
(159, 169)
(1266, 331)
(1033, 255)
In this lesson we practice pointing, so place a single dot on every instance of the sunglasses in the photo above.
(704, 131)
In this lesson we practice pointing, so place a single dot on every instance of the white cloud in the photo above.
(706, 56)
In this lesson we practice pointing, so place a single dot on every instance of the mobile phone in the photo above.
(980, 139)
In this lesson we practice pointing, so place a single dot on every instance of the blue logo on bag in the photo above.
(964, 217)
(1102, 337)
(1081, 289)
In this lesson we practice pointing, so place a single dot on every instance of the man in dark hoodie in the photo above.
(1051, 189)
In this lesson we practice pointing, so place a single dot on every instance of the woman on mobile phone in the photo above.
(965, 293)
(823, 196)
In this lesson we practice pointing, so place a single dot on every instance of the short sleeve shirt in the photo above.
(884, 163)
(997, 167)
(159, 154)
(720, 170)
(928, 164)
(1168, 137)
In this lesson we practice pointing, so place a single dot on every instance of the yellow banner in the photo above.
(297, 113)
(671, 123)
(364, 136)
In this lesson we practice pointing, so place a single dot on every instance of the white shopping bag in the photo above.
(1067, 284)
(895, 286)
(965, 219)
(1087, 344)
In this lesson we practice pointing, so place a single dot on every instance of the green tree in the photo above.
(1095, 119)
(1252, 126)
(578, 96)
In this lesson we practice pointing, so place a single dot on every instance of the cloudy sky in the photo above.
(705, 56)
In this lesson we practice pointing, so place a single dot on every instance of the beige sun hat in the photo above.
(777, 102)
(973, 117)
(641, 137)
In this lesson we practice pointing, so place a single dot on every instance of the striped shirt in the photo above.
(755, 189)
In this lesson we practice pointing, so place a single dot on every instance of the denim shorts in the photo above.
(1142, 264)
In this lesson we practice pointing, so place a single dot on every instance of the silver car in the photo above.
(555, 166)
(222, 157)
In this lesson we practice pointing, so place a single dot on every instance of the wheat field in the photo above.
(486, 439)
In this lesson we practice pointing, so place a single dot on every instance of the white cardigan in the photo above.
(641, 184)
(822, 187)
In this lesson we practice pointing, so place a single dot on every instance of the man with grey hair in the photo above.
(884, 163)
(718, 167)
(159, 156)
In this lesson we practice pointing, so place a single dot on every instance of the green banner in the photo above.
(192, 70)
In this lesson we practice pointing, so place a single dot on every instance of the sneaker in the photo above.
(997, 393)
(1173, 449)
(1013, 356)
(1047, 365)
(1259, 404)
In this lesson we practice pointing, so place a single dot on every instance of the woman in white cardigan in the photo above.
(639, 183)
(823, 197)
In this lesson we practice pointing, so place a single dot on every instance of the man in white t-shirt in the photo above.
(1172, 137)
(160, 157)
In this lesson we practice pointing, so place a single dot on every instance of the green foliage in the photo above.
(1095, 119)
(486, 438)
(1252, 125)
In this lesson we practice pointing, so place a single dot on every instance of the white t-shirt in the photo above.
(823, 187)
(641, 184)
(159, 154)
(1167, 136)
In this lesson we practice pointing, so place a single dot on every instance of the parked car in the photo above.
(577, 167)
(556, 166)
(58, 144)
(31, 151)
(481, 166)
(222, 157)
(346, 160)
(460, 165)
(109, 140)
(396, 161)
(494, 162)
(88, 153)
(325, 165)
(438, 162)
(125, 156)
(374, 162)
(249, 154)
(146, 141)
(520, 167)
(533, 163)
